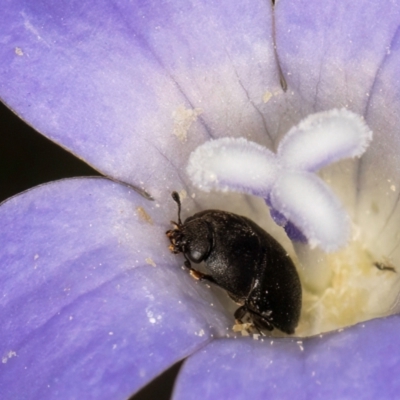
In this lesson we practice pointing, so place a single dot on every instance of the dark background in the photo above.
(28, 159)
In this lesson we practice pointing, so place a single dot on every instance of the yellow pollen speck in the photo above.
(150, 262)
(267, 96)
(393, 188)
(142, 214)
(361, 288)
(18, 51)
(242, 327)
(183, 119)
(182, 194)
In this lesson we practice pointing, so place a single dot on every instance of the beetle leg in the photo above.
(199, 276)
(242, 311)
(260, 322)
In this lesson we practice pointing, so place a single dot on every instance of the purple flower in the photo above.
(93, 305)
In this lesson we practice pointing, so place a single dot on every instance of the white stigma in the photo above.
(218, 164)
(324, 138)
(286, 180)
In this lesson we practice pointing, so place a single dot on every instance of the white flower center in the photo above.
(342, 282)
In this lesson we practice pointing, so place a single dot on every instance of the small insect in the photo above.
(383, 267)
(246, 261)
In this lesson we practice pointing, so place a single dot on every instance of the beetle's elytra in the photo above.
(244, 260)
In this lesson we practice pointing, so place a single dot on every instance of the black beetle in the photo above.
(246, 261)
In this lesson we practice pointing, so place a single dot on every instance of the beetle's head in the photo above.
(177, 238)
(193, 238)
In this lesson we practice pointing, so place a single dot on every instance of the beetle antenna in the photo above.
(177, 200)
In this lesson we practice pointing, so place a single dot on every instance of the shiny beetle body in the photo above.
(244, 260)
